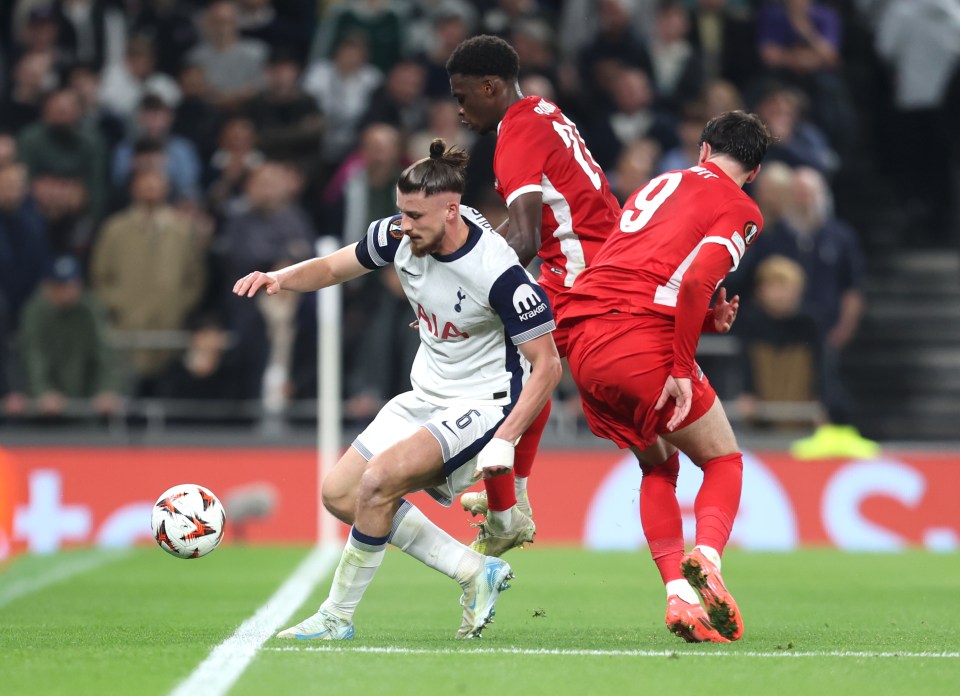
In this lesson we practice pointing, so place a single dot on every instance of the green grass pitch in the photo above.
(574, 622)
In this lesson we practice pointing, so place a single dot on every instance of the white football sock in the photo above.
(712, 555)
(417, 536)
(500, 520)
(358, 565)
(519, 485)
(684, 590)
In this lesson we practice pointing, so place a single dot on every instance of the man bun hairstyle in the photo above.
(444, 171)
(740, 135)
(484, 55)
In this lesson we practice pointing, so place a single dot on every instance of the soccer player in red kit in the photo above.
(634, 318)
(559, 208)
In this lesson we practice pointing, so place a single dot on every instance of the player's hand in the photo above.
(252, 282)
(680, 390)
(725, 313)
(495, 459)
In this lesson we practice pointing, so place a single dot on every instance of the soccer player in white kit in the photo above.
(486, 366)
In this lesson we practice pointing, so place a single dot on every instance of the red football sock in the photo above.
(501, 494)
(526, 450)
(718, 500)
(660, 516)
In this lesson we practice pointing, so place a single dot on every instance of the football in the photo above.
(188, 521)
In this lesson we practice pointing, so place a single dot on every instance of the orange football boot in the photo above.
(705, 578)
(690, 622)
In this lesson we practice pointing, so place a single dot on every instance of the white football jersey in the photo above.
(475, 306)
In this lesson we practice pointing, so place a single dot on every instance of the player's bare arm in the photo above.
(306, 276)
(524, 219)
(497, 456)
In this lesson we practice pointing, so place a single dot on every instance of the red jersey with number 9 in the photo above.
(539, 149)
(663, 226)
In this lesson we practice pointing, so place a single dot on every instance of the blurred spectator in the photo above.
(229, 166)
(148, 271)
(400, 100)
(63, 205)
(797, 141)
(289, 124)
(676, 67)
(342, 87)
(450, 23)
(720, 96)
(364, 188)
(800, 43)
(506, 15)
(196, 118)
(170, 26)
(779, 343)
(125, 83)
(12, 398)
(633, 117)
(726, 38)
(85, 82)
(614, 45)
(260, 20)
(82, 32)
(687, 153)
(64, 346)
(59, 146)
(32, 77)
(830, 254)
(233, 66)
(8, 149)
(269, 230)
(379, 22)
(637, 163)
(533, 40)
(39, 33)
(24, 252)
(204, 372)
(443, 121)
(773, 191)
(920, 41)
(154, 121)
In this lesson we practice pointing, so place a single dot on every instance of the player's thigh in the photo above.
(708, 437)
(462, 429)
(655, 454)
(414, 463)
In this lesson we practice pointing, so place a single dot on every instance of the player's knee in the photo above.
(376, 486)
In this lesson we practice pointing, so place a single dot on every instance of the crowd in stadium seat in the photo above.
(169, 146)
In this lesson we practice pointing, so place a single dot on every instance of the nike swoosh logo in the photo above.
(412, 275)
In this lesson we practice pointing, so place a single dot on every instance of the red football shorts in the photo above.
(620, 363)
(559, 334)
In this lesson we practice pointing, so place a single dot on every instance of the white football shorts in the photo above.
(462, 428)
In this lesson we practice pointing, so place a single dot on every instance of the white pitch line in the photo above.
(609, 653)
(224, 665)
(63, 570)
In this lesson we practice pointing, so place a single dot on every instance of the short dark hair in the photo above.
(742, 136)
(484, 55)
(444, 171)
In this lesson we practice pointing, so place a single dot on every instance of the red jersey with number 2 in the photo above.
(540, 150)
(663, 226)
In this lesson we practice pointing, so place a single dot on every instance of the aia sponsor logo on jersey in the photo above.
(527, 302)
(750, 231)
(448, 332)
